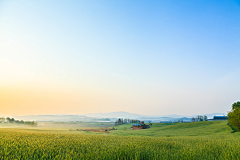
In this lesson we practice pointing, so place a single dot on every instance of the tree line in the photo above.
(124, 121)
(199, 118)
(12, 120)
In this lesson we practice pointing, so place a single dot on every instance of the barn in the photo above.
(140, 126)
(219, 118)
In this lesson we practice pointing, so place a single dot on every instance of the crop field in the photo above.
(201, 140)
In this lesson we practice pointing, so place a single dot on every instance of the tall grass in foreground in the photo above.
(32, 145)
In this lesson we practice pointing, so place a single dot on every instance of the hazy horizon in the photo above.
(143, 57)
(111, 115)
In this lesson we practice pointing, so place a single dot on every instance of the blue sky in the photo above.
(146, 57)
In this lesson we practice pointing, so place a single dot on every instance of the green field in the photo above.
(198, 140)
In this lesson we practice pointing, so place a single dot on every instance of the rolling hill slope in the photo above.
(176, 129)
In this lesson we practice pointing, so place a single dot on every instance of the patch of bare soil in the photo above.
(102, 130)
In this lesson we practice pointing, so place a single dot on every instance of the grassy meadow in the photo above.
(198, 140)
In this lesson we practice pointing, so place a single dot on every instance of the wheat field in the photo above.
(22, 144)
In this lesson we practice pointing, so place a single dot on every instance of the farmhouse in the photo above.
(219, 118)
(140, 126)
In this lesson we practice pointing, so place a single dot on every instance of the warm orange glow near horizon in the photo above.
(36, 101)
(19, 101)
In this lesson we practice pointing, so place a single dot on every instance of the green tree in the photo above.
(205, 118)
(10, 120)
(2, 119)
(234, 115)
(120, 121)
(236, 105)
(198, 118)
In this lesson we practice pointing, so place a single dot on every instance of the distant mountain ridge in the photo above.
(123, 114)
(120, 114)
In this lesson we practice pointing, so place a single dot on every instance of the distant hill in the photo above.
(175, 130)
(163, 116)
(120, 114)
(123, 114)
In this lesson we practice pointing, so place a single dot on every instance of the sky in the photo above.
(145, 57)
